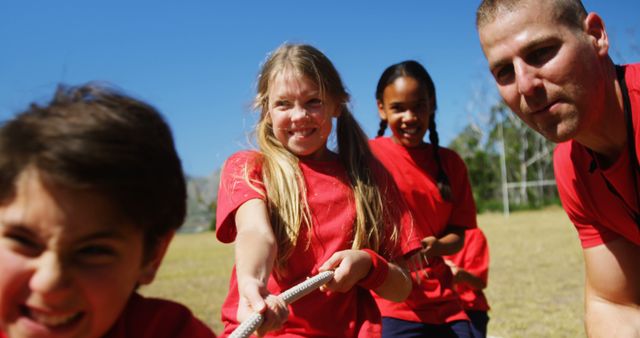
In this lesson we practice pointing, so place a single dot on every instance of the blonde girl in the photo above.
(295, 207)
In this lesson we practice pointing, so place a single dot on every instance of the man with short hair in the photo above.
(551, 64)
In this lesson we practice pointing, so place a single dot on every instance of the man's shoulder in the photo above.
(562, 152)
(569, 158)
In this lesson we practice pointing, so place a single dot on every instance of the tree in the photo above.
(527, 157)
(481, 165)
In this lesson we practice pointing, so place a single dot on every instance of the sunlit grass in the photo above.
(535, 281)
(536, 277)
(195, 272)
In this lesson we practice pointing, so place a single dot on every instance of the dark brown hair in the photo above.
(415, 70)
(94, 137)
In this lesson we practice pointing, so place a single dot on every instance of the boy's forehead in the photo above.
(54, 210)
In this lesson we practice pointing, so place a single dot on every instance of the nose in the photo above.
(409, 116)
(51, 276)
(299, 113)
(527, 79)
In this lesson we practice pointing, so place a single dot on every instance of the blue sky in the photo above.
(197, 61)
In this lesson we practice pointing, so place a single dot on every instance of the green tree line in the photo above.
(507, 161)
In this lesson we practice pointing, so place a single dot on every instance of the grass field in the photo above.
(535, 288)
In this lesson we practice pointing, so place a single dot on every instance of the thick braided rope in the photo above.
(246, 328)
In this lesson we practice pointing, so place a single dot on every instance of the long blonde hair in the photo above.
(286, 197)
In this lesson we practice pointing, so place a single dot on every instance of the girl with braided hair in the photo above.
(436, 187)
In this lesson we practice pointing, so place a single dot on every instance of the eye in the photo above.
(542, 55)
(95, 254)
(504, 74)
(281, 104)
(22, 242)
(396, 108)
(314, 103)
(421, 105)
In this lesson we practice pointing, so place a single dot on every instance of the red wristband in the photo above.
(378, 272)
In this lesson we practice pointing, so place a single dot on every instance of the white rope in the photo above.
(289, 296)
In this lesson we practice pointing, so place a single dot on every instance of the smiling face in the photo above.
(69, 263)
(549, 74)
(301, 118)
(407, 108)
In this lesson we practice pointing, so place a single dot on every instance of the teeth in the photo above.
(410, 131)
(302, 132)
(52, 320)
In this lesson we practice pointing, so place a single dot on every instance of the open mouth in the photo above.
(54, 321)
(301, 132)
(410, 131)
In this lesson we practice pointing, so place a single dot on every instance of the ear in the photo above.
(151, 265)
(381, 112)
(594, 27)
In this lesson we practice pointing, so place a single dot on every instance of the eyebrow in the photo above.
(103, 234)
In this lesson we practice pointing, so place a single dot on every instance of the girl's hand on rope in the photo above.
(254, 297)
(419, 261)
(420, 258)
(350, 267)
(454, 268)
(430, 247)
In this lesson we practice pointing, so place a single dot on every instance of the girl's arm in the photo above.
(398, 284)
(450, 243)
(470, 266)
(352, 266)
(255, 252)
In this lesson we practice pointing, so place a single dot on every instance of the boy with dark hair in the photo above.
(91, 193)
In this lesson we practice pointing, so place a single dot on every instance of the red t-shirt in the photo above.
(433, 300)
(157, 318)
(598, 215)
(331, 201)
(474, 258)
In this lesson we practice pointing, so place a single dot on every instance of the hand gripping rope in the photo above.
(289, 296)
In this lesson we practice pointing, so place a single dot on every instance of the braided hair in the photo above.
(383, 127)
(415, 70)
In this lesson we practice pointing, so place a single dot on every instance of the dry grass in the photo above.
(536, 276)
(196, 272)
(535, 280)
